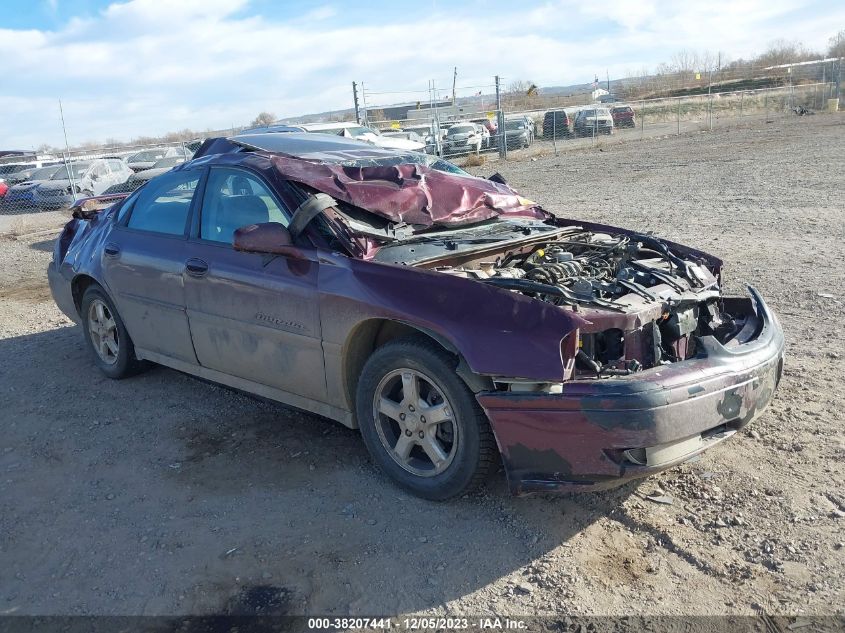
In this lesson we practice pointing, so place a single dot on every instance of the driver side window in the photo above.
(235, 198)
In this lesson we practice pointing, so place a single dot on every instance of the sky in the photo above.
(146, 67)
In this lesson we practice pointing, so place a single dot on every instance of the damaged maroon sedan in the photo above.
(444, 315)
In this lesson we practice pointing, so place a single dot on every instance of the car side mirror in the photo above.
(266, 237)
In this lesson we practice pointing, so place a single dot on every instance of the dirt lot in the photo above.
(164, 495)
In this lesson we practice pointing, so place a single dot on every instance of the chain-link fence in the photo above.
(464, 131)
(530, 119)
(467, 123)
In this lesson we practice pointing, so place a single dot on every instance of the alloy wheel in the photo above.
(414, 422)
(103, 330)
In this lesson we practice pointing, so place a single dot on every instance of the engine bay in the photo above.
(646, 305)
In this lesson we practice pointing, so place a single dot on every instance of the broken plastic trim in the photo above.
(661, 454)
(515, 384)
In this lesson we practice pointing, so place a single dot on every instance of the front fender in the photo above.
(498, 332)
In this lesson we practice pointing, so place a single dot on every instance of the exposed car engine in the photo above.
(656, 302)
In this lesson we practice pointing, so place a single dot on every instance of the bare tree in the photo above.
(264, 119)
(785, 52)
(684, 62)
(520, 87)
(708, 61)
(837, 45)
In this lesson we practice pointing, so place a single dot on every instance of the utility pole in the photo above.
(500, 116)
(67, 149)
(454, 81)
(355, 99)
(364, 101)
(438, 144)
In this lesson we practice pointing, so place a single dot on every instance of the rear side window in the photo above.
(163, 205)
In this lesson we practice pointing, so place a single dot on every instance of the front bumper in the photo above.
(601, 433)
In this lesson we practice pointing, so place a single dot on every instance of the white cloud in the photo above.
(320, 13)
(146, 67)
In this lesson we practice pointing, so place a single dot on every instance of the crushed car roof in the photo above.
(399, 186)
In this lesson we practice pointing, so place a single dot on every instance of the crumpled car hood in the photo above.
(414, 194)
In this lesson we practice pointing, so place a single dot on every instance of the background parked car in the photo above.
(426, 134)
(623, 116)
(592, 121)
(365, 134)
(490, 126)
(557, 124)
(486, 138)
(517, 133)
(90, 178)
(159, 167)
(406, 134)
(22, 175)
(22, 194)
(463, 138)
(146, 158)
(530, 124)
(8, 170)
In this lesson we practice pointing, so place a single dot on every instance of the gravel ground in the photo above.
(165, 495)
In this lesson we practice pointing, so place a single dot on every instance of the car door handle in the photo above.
(196, 267)
(111, 250)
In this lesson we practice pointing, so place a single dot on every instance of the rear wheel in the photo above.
(420, 422)
(106, 336)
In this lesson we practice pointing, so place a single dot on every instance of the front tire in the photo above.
(106, 335)
(420, 423)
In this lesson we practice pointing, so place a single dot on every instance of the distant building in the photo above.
(405, 110)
